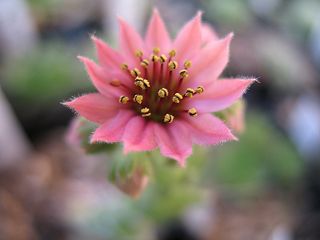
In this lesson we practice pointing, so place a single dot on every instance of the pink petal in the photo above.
(188, 40)
(101, 78)
(138, 135)
(107, 56)
(220, 95)
(174, 141)
(130, 41)
(208, 34)
(207, 129)
(112, 130)
(211, 61)
(157, 34)
(94, 107)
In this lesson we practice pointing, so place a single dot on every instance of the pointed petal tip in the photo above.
(69, 103)
(83, 59)
(94, 139)
(250, 81)
(233, 137)
(199, 13)
(155, 11)
(95, 39)
(121, 21)
(86, 61)
(93, 36)
(229, 37)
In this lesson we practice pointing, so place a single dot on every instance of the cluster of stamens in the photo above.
(158, 84)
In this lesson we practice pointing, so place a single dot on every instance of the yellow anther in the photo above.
(156, 50)
(115, 83)
(168, 118)
(142, 83)
(187, 64)
(183, 73)
(138, 98)
(172, 53)
(139, 53)
(172, 65)
(145, 112)
(163, 58)
(146, 115)
(163, 92)
(199, 89)
(190, 92)
(193, 112)
(123, 99)
(154, 58)
(124, 66)
(135, 72)
(144, 63)
(146, 83)
(177, 97)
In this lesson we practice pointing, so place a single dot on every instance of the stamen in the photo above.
(123, 99)
(145, 112)
(163, 92)
(172, 65)
(163, 58)
(177, 97)
(199, 90)
(156, 50)
(138, 98)
(172, 53)
(193, 112)
(144, 63)
(154, 58)
(184, 73)
(187, 64)
(190, 92)
(139, 53)
(142, 83)
(124, 66)
(168, 118)
(135, 72)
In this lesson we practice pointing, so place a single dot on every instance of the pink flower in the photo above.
(158, 92)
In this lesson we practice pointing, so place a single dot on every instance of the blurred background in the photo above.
(264, 187)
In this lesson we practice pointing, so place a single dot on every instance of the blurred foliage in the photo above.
(231, 13)
(44, 8)
(45, 74)
(172, 188)
(262, 158)
(300, 17)
(85, 130)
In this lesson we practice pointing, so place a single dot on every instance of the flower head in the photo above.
(158, 92)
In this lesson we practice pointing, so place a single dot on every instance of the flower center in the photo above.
(157, 94)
